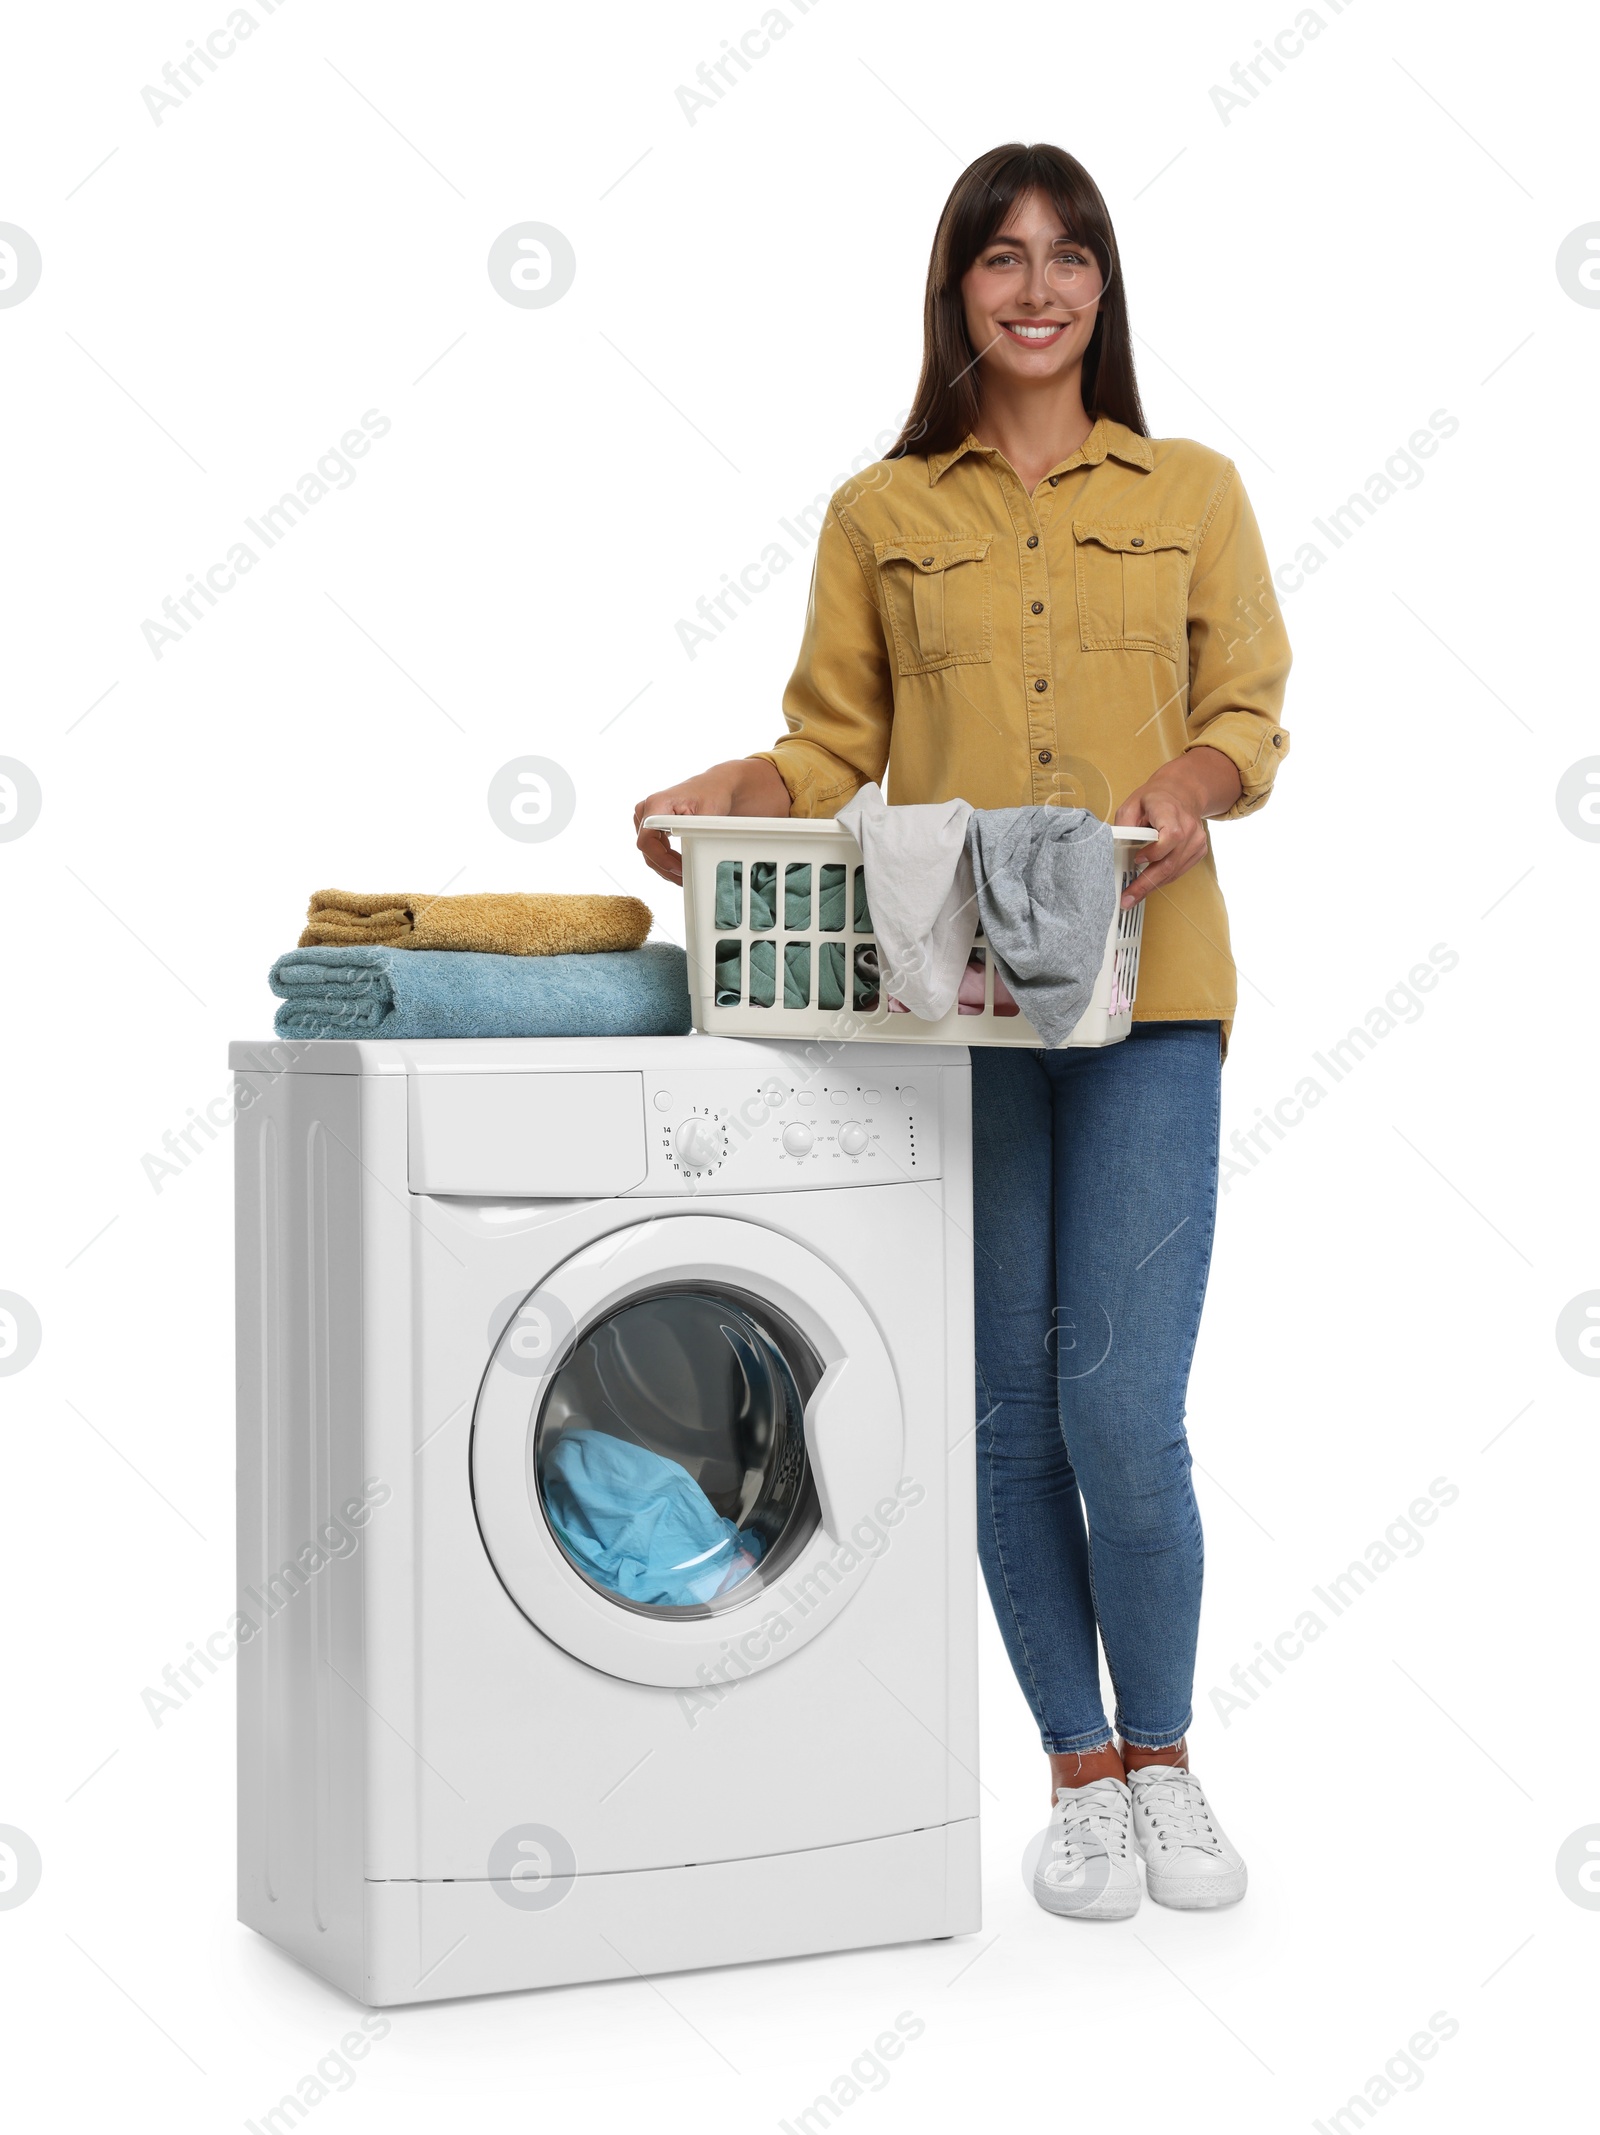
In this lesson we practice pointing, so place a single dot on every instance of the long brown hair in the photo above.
(946, 403)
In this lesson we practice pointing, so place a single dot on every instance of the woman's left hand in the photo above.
(1176, 802)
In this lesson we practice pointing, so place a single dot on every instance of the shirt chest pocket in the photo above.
(1133, 586)
(936, 594)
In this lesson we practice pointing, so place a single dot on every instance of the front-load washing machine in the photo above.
(606, 1558)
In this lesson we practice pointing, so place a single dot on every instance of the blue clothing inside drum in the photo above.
(640, 1525)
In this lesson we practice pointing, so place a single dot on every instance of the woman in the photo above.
(1033, 602)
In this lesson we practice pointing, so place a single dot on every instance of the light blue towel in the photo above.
(451, 993)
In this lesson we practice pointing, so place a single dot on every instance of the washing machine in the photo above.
(606, 1521)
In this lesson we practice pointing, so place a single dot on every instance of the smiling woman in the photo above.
(1043, 278)
(1031, 603)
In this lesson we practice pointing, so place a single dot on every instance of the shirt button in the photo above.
(1038, 607)
(1277, 741)
(1137, 542)
(927, 563)
(1041, 684)
(1033, 541)
(1054, 479)
(1044, 756)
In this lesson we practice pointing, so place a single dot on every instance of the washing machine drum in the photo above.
(670, 1450)
(688, 1439)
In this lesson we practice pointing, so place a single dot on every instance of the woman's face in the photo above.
(1032, 296)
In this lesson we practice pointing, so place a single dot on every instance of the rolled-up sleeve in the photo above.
(839, 705)
(1238, 649)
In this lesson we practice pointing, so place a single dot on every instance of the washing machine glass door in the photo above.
(670, 1451)
(688, 1445)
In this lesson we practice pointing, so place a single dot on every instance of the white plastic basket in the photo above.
(783, 973)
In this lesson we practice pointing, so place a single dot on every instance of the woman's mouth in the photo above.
(1034, 333)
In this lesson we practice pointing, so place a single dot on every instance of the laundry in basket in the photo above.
(796, 961)
(737, 921)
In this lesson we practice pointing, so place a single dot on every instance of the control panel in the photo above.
(727, 1131)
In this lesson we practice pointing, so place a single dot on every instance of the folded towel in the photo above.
(496, 922)
(444, 993)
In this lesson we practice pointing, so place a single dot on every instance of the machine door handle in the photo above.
(855, 1441)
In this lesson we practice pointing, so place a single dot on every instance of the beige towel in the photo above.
(500, 922)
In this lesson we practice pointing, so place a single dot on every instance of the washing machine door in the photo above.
(688, 1444)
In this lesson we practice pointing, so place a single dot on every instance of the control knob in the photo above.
(797, 1139)
(698, 1143)
(853, 1137)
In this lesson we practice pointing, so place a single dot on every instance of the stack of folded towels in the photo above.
(511, 964)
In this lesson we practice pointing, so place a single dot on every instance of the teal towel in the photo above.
(796, 975)
(796, 896)
(450, 993)
(798, 877)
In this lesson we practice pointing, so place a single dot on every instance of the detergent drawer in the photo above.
(525, 1136)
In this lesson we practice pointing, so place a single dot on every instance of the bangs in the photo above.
(1072, 197)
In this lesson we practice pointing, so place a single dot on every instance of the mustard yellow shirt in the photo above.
(967, 639)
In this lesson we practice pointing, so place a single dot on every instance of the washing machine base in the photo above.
(434, 1941)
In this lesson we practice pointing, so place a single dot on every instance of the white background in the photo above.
(1371, 239)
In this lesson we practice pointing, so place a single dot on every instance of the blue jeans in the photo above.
(1095, 1195)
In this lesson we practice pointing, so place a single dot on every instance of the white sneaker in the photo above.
(1087, 1869)
(1189, 1860)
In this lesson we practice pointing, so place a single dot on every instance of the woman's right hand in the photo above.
(749, 785)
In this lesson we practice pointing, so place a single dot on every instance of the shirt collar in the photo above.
(1106, 439)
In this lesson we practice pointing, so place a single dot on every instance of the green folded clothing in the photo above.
(796, 954)
(796, 896)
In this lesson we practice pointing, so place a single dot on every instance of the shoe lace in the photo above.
(1097, 1812)
(1176, 1804)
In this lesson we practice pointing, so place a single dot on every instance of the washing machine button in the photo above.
(805, 1097)
(698, 1143)
(853, 1137)
(797, 1139)
(663, 1100)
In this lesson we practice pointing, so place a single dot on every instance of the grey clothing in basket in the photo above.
(1046, 888)
(919, 886)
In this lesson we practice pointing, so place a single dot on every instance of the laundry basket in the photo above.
(781, 945)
